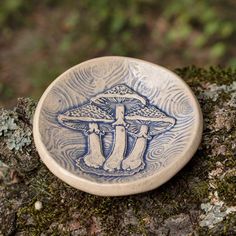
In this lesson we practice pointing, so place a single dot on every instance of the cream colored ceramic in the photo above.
(116, 126)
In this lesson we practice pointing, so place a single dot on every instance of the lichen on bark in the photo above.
(199, 200)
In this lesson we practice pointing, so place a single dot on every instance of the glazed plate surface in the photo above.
(115, 126)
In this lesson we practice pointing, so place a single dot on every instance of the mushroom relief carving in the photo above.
(86, 118)
(124, 112)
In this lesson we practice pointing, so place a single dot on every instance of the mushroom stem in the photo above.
(94, 157)
(135, 158)
(119, 146)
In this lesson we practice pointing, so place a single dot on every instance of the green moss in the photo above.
(40, 220)
(200, 190)
(25, 109)
(218, 75)
(227, 189)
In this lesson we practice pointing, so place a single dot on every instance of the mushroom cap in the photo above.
(119, 94)
(150, 115)
(79, 118)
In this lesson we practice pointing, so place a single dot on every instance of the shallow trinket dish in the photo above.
(116, 126)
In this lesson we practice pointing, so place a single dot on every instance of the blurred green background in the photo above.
(41, 39)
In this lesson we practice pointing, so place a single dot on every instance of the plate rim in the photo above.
(127, 188)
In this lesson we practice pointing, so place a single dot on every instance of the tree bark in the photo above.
(36, 182)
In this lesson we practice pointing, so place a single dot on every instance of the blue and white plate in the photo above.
(116, 126)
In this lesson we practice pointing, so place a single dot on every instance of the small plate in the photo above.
(115, 126)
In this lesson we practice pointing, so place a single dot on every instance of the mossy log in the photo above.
(199, 200)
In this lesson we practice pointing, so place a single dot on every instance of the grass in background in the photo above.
(41, 39)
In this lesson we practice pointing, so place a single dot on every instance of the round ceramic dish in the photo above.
(116, 126)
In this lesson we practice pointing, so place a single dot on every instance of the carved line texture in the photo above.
(79, 87)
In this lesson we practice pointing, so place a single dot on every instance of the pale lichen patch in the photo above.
(213, 92)
(16, 136)
(214, 212)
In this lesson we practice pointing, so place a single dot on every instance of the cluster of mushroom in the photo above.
(118, 107)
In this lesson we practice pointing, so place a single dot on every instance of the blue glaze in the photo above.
(69, 145)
